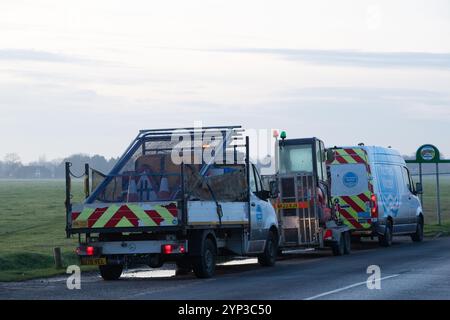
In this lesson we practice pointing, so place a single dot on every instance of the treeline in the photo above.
(427, 168)
(12, 168)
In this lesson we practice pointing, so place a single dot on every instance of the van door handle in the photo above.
(253, 204)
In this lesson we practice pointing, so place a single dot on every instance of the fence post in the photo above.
(421, 182)
(438, 195)
(57, 257)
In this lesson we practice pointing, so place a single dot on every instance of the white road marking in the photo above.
(346, 288)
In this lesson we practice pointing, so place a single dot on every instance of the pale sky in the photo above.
(85, 76)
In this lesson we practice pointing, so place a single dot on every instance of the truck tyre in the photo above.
(347, 242)
(205, 265)
(184, 266)
(338, 247)
(111, 271)
(385, 240)
(418, 235)
(269, 256)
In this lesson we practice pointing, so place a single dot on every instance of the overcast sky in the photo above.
(85, 76)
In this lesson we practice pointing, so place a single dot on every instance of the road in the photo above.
(408, 271)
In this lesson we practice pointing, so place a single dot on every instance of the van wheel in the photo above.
(418, 235)
(385, 240)
(205, 265)
(348, 243)
(111, 271)
(269, 256)
(338, 247)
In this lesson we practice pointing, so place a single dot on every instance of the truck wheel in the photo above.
(385, 240)
(269, 256)
(418, 235)
(184, 266)
(348, 243)
(111, 271)
(205, 265)
(338, 247)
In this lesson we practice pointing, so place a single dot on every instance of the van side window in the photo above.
(407, 179)
(259, 186)
(252, 180)
(319, 161)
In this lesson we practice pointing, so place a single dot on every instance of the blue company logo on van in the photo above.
(350, 179)
(390, 193)
(259, 214)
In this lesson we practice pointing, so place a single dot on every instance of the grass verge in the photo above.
(433, 230)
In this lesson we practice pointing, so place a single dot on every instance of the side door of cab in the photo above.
(261, 210)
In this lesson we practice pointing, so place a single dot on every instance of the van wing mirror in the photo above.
(329, 153)
(419, 188)
(273, 186)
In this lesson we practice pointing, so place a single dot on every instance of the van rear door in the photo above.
(351, 187)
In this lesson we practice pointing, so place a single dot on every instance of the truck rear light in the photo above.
(173, 248)
(374, 206)
(328, 235)
(87, 251)
(90, 251)
(167, 249)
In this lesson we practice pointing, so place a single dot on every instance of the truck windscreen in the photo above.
(297, 158)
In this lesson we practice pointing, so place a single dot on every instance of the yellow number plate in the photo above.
(93, 261)
(292, 205)
(79, 224)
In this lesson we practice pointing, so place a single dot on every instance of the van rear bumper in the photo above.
(376, 228)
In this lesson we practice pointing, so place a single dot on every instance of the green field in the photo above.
(429, 198)
(32, 223)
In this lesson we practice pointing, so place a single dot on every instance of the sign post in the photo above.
(428, 153)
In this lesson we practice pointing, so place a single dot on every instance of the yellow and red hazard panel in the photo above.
(126, 215)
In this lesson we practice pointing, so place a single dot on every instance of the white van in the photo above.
(374, 193)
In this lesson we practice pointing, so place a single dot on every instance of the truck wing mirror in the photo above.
(263, 194)
(419, 188)
(273, 185)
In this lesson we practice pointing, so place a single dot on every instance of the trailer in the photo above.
(182, 195)
(306, 215)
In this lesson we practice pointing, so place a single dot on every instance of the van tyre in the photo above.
(338, 247)
(418, 235)
(385, 240)
(348, 243)
(269, 256)
(111, 272)
(204, 266)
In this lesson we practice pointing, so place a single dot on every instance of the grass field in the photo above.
(32, 223)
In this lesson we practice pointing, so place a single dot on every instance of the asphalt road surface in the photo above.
(408, 271)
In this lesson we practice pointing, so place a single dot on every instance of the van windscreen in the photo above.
(349, 179)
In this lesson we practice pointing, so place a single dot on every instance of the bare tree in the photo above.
(12, 159)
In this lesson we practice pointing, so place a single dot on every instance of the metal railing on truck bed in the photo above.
(159, 172)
